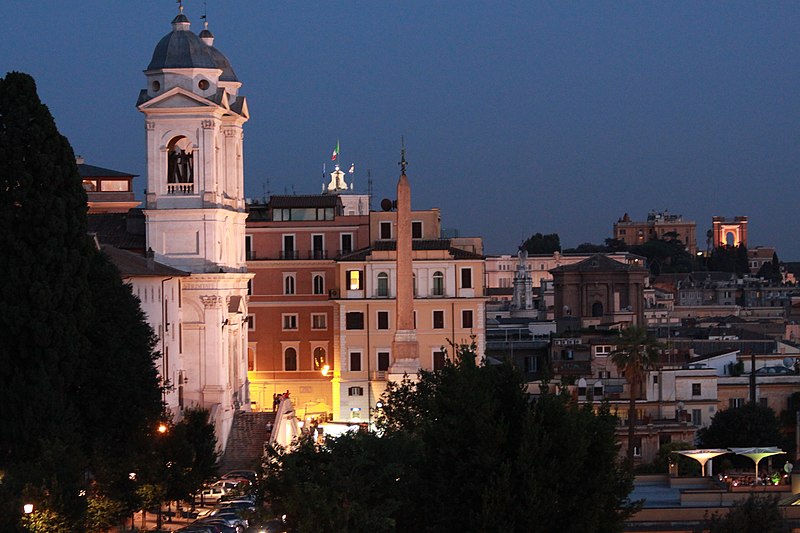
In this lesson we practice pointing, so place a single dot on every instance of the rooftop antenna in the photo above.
(369, 190)
(403, 163)
(266, 190)
(204, 18)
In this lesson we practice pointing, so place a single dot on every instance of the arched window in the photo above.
(319, 284)
(383, 284)
(288, 284)
(320, 358)
(290, 360)
(438, 283)
(180, 161)
(597, 309)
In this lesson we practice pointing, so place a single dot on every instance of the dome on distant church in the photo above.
(222, 63)
(181, 48)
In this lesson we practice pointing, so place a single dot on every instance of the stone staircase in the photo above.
(246, 441)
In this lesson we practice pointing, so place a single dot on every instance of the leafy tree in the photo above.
(636, 352)
(460, 449)
(665, 255)
(190, 454)
(666, 455)
(749, 425)
(76, 358)
(45, 521)
(756, 514)
(104, 513)
(542, 244)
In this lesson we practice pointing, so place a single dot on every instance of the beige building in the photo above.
(659, 225)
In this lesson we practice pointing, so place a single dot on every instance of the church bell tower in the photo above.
(195, 212)
(195, 204)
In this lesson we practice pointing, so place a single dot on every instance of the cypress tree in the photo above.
(80, 390)
(44, 303)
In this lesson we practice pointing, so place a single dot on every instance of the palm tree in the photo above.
(636, 352)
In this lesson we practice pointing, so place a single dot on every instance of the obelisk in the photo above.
(405, 350)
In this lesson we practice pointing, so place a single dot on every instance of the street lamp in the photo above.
(27, 508)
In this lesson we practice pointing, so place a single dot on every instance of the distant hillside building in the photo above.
(599, 291)
(729, 233)
(659, 225)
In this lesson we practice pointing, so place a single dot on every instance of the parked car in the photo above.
(249, 475)
(221, 524)
(212, 494)
(774, 370)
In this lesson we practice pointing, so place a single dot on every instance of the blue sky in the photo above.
(518, 117)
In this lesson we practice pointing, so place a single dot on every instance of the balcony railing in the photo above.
(378, 375)
(180, 188)
(289, 254)
(318, 254)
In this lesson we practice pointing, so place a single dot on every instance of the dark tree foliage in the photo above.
(118, 395)
(76, 357)
(756, 514)
(771, 271)
(739, 427)
(461, 449)
(665, 255)
(188, 455)
(729, 259)
(44, 297)
(542, 244)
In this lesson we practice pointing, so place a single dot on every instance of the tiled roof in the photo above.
(121, 230)
(418, 244)
(598, 263)
(91, 171)
(307, 200)
(132, 264)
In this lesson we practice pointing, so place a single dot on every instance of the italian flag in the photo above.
(335, 153)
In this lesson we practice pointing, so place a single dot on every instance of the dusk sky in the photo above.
(518, 117)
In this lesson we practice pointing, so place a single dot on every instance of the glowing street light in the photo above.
(325, 370)
(27, 508)
(162, 428)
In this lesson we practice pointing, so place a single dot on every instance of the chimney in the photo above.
(150, 255)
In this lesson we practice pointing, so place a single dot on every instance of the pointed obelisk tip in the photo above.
(403, 163)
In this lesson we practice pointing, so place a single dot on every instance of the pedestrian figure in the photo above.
(275, 401)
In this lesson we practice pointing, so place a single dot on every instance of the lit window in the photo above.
(354, 280)
(320, 358)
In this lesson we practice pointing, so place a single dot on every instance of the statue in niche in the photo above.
(180, 166)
